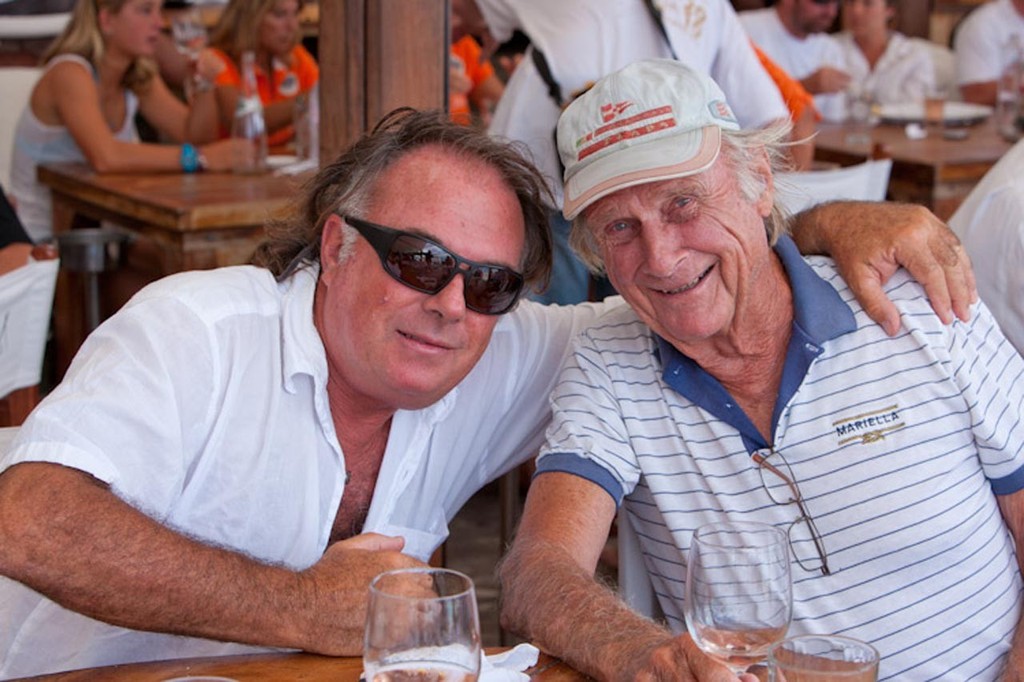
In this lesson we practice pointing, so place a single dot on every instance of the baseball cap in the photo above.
(653, 120)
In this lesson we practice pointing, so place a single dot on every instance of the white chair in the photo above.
(16, 83)
(634, 583)
(866, 181)
(26, 301)
(27, 26)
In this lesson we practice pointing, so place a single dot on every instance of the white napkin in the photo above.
(297, 167)
(508, 666)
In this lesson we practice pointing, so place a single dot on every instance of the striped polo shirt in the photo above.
(899, 446)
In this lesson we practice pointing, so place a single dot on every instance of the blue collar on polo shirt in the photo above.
(819, 315)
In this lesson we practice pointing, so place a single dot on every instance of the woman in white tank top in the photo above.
(99, 72)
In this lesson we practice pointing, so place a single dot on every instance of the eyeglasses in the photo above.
(425, 265)
(825, 2)
(783, 490)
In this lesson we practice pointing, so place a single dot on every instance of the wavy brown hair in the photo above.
(82, 36)
(344, 187)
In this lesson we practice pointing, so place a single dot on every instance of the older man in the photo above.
(738, 368)
(236, 453)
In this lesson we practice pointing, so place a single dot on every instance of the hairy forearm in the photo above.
(551, 601)
(808, 228)
(69, 538)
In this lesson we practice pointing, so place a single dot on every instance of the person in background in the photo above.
(98, 73)
(236, 453)
(794, 34)
(802, 113)
(474, 87)
(884, 65)
(15, 244)
(738, 381)
(285, 70)
(990, 224)
(987, 41)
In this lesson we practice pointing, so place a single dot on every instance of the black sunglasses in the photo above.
(425, 265)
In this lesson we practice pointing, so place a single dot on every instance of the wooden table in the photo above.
(935, 172)
(179, 221)
(269, 668)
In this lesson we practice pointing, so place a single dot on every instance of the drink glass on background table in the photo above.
(861, 114)
(739, 592)
(190, 38)
(422, 625)
(822, 658)
(935, 110)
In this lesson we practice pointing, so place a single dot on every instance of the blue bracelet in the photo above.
(189, 158)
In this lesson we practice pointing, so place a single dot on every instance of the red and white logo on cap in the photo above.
(609, 112)
(618, 130)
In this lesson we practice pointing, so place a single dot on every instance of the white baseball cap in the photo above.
(653, 120)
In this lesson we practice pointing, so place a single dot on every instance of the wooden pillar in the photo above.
(376, 55)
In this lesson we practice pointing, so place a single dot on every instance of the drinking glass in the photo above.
(822, 658)
(739, 592)
(935, 109)
(190, 38)
(422, 625)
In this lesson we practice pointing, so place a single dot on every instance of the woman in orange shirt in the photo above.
(284, 68)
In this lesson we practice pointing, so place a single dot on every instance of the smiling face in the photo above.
(688, 254)
(133, 29)
(391, 347)
(279, 28)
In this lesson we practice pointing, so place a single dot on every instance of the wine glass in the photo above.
(190, 38)
(422, 625)
(739, 592)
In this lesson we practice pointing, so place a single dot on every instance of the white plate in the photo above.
(954, 113)
(280, 160)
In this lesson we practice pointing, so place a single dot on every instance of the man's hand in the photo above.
(339, 590)
(869, 241)
(826, 80)
(680, 659)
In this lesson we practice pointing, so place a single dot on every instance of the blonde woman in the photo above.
(98, 74)
(284, 68)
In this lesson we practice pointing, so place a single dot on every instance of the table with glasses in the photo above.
(935, 171)
(177, 221)
(270, 668)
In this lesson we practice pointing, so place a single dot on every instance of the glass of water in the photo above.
(422, 625)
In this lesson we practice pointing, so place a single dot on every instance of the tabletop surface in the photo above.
(268, 667)
(983, 145)
(179, 201)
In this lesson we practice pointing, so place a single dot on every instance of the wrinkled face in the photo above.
(811, 16)
(279, 29)
(685, 252)
(134, 29)
(866, 18)
(393, 347)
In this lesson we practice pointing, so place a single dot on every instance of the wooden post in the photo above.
(376, 55)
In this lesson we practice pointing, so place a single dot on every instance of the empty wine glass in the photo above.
(739, 593)
(422, 625)
(190, 38)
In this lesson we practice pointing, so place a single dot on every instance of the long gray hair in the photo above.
(346, 185)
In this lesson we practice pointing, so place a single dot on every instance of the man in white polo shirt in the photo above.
(740, 381)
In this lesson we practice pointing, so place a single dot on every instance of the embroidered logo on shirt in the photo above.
(870, 426)
(289, 85)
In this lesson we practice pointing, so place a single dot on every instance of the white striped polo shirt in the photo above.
(897, 445)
